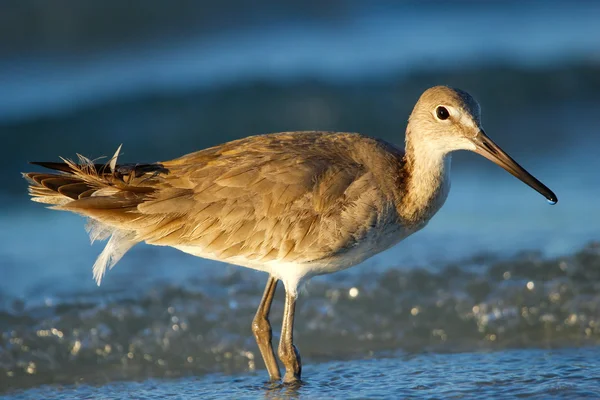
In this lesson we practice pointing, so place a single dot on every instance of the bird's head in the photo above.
(446, 119)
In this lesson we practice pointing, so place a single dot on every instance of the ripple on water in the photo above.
(525, 302)
(507, 374)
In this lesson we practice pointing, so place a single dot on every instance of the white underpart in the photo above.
(294, 274)
(289, 273)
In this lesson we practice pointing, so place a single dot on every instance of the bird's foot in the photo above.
(293, 368)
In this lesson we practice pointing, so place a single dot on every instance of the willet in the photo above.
(292, 204)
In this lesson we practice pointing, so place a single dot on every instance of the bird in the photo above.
(292, 204)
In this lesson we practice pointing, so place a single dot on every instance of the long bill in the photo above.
(490, 150)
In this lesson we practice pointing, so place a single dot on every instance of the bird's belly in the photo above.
(293, 273)
(373, 243)
(290, 273)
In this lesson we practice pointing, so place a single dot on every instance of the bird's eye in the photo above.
(442, 113)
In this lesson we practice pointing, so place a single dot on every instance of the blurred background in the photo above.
(496, 268)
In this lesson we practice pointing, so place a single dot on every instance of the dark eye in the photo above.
(442, 113)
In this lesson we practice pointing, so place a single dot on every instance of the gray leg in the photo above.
(262, 330)
(288, 354)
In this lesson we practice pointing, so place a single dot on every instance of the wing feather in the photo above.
(247, 200)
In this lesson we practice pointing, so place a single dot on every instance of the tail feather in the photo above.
(75, 190)
(108, 194)
(64, 167)
(120, 242)
(123, 184)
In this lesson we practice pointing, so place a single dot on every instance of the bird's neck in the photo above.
(426, 181)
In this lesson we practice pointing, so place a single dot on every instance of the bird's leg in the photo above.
(288, 354)
(261, 327)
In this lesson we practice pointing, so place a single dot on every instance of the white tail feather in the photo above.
(119, 243)
(97, 230)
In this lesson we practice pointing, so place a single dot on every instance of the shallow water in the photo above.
(528, 373)
(202, 326)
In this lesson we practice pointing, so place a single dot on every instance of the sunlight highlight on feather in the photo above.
(113, 160)
(97, 230)
(119, 243)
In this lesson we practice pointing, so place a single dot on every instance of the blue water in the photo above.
(531, 373)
